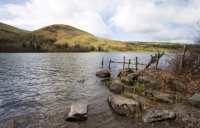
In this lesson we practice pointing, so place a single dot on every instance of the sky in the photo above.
(127, 20)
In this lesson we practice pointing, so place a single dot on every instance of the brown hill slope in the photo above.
(64, 38)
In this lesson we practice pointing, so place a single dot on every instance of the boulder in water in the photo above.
(124, 106)
(78, 112)
(104, 73)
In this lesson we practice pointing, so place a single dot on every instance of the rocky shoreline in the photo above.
(139, 94)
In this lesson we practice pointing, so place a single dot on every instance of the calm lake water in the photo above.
(37, 88)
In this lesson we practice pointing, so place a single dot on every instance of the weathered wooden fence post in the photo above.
(157, 59)
(124, 59)
(183, 58)
(136, 63)
(129, 62)
(102, 62)
(109, 66)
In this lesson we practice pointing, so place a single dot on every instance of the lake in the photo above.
(37, 88)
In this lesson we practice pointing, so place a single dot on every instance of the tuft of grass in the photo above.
(139, 88)
(179, 99)
(127, 94)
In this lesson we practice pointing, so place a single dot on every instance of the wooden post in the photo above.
(149, 63)
(183, 58)
(136, 63)
(124, 59)
(102, 63)
(109, 66)
(157, 60)
(129, 62)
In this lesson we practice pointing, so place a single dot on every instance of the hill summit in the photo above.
(54, 38)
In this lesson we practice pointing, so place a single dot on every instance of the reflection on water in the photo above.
(36, 88)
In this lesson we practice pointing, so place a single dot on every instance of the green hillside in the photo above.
(78, 40)
(64, 38)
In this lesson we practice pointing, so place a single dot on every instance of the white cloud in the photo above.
(151, 19)
(36, 13)
(167, 20)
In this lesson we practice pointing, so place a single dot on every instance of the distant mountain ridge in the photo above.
(64, 38)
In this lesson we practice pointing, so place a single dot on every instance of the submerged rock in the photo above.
(116, 86)
(195, 100)
(78, 112)
(7, 124)
(124, 106)
(104, 73)
(158, 115)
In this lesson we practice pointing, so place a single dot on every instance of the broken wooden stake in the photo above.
(109, 66)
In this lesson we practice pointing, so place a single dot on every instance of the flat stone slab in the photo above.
(154, 115)
(124, 106)
(195, 100)
(160, 96)
(78, 112)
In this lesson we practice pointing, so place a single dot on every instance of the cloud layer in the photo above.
(118, 19)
